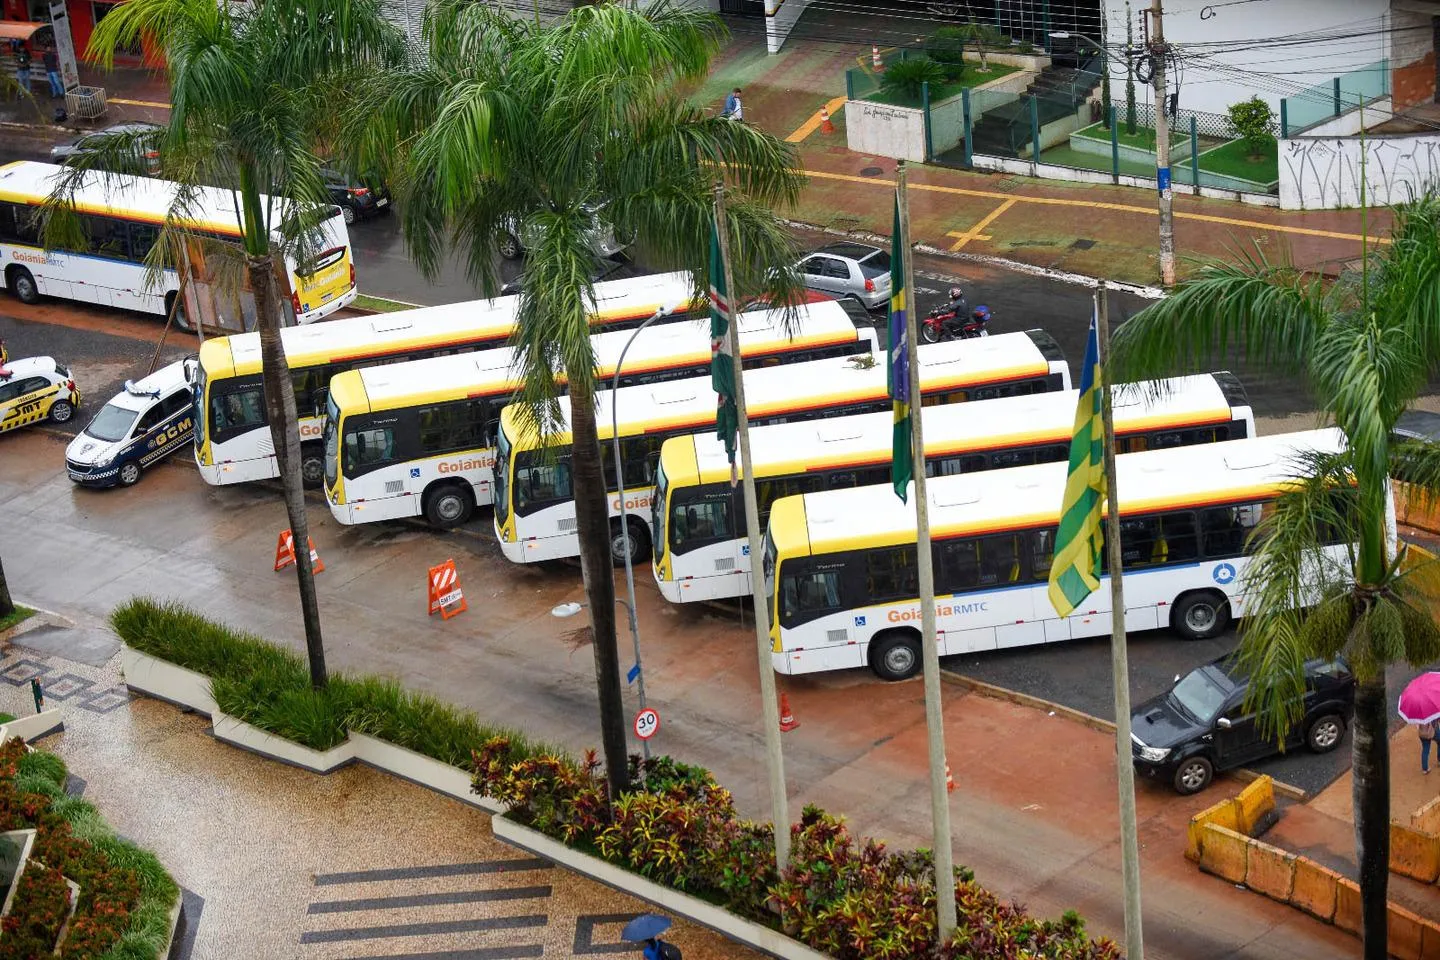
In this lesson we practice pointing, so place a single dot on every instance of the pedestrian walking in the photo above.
(1427, 737)
(646, 929)
(22, 67)
(51, 59)
(657, 949)
(1420, 707)
(733, 109)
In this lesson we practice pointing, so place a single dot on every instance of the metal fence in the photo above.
(1337, 96)
(1215, 125)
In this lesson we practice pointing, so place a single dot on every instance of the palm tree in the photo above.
(1366, 345)
(502, 125)
(7, 604)
(253, 89)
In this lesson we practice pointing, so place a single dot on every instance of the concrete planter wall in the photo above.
(165, 681)
(884, 130)
(32, 727)
(1034, 62)
(186, 688)
(1179, 149)
(748, 932)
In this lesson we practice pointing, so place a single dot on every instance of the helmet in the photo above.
(982, 313)
(956, 293)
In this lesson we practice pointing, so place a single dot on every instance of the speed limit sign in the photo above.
(647, 722)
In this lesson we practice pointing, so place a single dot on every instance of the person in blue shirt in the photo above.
(733, 109)
(657, 949)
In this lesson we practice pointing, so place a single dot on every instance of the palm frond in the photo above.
(1271, 311)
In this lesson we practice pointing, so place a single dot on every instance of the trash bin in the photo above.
(86, 103)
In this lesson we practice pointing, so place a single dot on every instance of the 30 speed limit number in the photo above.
(647, 723)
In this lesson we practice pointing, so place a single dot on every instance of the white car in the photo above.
(141, 425)
(33, 389)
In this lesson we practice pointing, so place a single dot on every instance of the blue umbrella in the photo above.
(644, 927)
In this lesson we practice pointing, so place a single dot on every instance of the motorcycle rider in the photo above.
(956, 308)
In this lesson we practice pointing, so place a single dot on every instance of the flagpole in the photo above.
(925, 567)
(1119, 656)
(769, 707)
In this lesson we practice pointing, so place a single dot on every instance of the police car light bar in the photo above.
(135, 391)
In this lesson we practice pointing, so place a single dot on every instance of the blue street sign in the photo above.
(634, 672)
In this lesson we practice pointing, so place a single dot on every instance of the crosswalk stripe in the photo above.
(435, 870)
(429, 899)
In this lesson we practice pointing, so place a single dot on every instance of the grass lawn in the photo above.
(1144, 137)
(972, 79)
(1233, 160)
(380, 303)
(1064, 156)
(19, 615)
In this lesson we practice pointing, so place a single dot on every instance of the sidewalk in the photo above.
(280, 864)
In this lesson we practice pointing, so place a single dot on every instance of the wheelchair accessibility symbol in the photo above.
(859, 621)
(1223, 573)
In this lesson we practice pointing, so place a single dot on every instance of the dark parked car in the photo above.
(358, 198)
(147, 135)
(1200, 726)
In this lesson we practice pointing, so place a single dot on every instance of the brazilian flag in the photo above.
(1079, 545)
(722, 364)
(897, 379)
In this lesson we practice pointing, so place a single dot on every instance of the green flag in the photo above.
(1079, 545)
(897, 370)
(722, 363)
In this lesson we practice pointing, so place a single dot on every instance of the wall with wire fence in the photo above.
(1333, 98)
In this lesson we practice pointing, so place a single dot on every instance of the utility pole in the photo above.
(925, 569)
(1119, 655)
(769, 707)
(1158, 51)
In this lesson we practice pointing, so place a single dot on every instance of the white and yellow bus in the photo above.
(840, 577)
(536, 520)
(699, 518)
(122, 216)
(233, 442)
(416, 439)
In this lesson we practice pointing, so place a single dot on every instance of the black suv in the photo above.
(358, 198)
(1200, 725)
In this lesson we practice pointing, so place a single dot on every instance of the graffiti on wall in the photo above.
(1323, 173)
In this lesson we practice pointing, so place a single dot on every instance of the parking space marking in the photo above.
(977, 232)
(813, 124)
(140, 103)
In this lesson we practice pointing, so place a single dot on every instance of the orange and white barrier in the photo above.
(285, 553)
(875, 60)
(446, 597)
(825, 125)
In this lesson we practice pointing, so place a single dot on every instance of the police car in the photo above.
(33, 389)
(144, 423)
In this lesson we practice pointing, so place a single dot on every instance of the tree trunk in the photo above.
(7, 605)
(285, 433)
(592, 523)
(1370, 794)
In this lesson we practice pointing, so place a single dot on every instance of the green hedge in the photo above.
(268, 686)
(125, 894)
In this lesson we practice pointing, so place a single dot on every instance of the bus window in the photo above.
(369, 446)
(142, 238)
(108, 237)
(1042, 553)
(1221, 532)
(237, 411)
(890, 574)
(959, 566)
(19, 223)
(1177, 538)
(541, 483)
(999, 560)
(806, 596)
(701, 522)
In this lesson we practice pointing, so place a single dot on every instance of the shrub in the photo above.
(906, 78)
(946, 47)
(1253, 122)
(125, 894)
(848, 897)
(268, 686)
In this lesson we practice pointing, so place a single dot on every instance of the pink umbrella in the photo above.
(1420, 702)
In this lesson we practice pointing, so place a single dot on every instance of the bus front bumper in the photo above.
(369, 511)
(546, 548)
(694, 589)
(238, 471)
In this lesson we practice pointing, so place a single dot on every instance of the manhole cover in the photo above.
(1082, 244)
(871, 172)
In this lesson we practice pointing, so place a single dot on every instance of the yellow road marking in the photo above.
(974, 233)
(1097, 205)
(139, 103)
(978, 236)
(813, 124)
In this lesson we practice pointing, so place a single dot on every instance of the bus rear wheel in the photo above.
(448, 506)
(895, 656)
(1200, 615)
(639, 542)
(20, 280)
(312, 465)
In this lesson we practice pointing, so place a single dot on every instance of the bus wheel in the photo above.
(448, 506)
(895, 656)
(639, 543)
(312, 465)
(20, 280)
(181, 321)
(1200, 615)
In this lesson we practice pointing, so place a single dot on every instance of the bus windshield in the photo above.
(657, 507)
(502, 473)
(332, 442)
(199, 403)
(769, 570)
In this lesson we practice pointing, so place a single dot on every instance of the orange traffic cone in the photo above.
(949, 780)
(825, 125)
(875, 60)
(787, 719)
(285, 553)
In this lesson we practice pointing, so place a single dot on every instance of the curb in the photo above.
(990, 690)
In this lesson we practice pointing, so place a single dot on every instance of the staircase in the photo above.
(1060, 91)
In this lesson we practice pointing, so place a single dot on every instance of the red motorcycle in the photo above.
(944, 323)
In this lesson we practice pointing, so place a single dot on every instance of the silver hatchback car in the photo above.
(849, 270)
